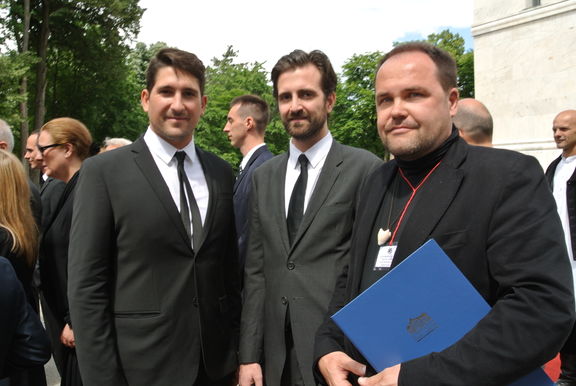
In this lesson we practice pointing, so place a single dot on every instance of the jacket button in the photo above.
(284, 300)
(291, 265)
(195, 301)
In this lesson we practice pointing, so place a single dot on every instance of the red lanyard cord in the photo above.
(414, 190)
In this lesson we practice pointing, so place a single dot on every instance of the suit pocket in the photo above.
(452, 240)
(137, 314)
(223, 303)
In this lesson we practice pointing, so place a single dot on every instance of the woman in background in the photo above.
(63, 144)
(19, 241)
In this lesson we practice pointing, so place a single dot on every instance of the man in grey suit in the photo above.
(245, 128)
(303, 206)
(153, 276)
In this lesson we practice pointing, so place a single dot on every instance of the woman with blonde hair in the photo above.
(63, 144)
(19, 241)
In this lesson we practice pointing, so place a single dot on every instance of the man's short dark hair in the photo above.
(445, 64)
(299, 58)
(255, 107)
(180, 60)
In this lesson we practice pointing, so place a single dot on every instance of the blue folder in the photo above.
(423, 305)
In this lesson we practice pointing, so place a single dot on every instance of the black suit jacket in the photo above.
(23, 341)
(242, 188)
(493, 214)
(570, 346)
(145, 308)
(50, 193)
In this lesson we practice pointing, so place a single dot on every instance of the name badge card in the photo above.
(385, 257)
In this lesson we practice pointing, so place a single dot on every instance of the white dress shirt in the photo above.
(316, 157)
(163, 155)
(246, 158)
(564, 171)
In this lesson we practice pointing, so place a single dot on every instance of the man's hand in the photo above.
(67, 337)
(336, 366)
(250, 374)
(388, 377)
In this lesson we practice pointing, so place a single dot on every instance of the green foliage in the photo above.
(353, 120)
(226, 80)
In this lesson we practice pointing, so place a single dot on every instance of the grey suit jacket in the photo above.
(145, 308)
(301, 277)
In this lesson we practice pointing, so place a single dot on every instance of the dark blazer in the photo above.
(570, 345)
(492, 213)
(23, 341)
(145, 308)
(570, 197)
(50, 192)
(300, 276)
(53, 261)
(242, 188)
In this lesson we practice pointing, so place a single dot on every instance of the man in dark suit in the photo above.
(303, 206)
(490, 210)
(561, 175)
(153, 270)
(245, 127)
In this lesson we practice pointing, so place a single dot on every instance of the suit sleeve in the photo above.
(90, 279)
(533, 306)
(252, 322)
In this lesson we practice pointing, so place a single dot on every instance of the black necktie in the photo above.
(296, 206)
(188, 205)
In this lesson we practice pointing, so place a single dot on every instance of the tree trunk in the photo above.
(24, 83)
(40, 100)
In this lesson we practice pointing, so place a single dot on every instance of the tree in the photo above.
(81, 49)
(226, 80)
(353, 120)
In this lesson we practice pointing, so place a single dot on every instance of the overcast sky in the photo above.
(264, 30)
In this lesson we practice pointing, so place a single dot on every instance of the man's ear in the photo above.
(3, 145)
(249, 122)
(144, 99)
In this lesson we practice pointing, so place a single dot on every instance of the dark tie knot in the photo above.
(180, 156)
(303, 161)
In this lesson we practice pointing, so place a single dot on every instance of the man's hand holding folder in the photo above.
(336, 366)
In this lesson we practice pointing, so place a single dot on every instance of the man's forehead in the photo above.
(408, 65)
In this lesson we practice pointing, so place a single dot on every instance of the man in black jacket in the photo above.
(561, 176)
(489, 209)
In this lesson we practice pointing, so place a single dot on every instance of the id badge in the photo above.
(385, 257)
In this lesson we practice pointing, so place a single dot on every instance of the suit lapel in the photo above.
(145, 162)
(368, 213)
(328, 176)
(277, 201)
(432, 201)
(252, 159)
(213, 192)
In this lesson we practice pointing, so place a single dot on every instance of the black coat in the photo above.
(146, 308)
(493, 214)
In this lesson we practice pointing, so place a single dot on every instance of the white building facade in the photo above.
(525, 69)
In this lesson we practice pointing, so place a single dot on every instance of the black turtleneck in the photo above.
(397, 195)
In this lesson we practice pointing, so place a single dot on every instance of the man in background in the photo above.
(561, 175)
(245, 128)
(474, 122)
(114, 143)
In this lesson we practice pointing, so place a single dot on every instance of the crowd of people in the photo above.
(155, 264)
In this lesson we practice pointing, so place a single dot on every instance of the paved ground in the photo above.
(52, 377)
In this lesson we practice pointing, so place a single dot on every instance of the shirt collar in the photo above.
(246, 158)
(163, 150)
(315, 154)
(568, 159)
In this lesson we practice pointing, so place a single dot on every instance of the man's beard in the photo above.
(315, 126)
